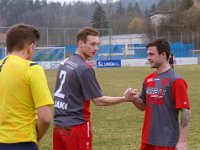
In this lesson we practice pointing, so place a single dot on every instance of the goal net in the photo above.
(196, 52)
(49, 54)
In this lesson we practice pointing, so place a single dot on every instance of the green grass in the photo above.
(119, 127)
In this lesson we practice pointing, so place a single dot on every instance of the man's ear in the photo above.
(29, 45)
(163, 55)
(80, 43)
(30, 48)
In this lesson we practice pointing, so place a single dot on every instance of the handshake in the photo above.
(131, 95)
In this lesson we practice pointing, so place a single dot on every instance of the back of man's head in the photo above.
(162, 46)
(83, 33)
(21, 35)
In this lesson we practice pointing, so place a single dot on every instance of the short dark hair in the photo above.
(20, 35)
(162, 46)
(83, 33)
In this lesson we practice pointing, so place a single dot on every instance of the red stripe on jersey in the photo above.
(86, 110)
(147, 123)
(149, 82)
(86, 106)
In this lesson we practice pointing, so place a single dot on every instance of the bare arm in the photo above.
(184, 127)
(135, 96)
(108, 100)
(139, 104)
(44, 120)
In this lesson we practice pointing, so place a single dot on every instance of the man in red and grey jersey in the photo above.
(76, 86)
(163, 95)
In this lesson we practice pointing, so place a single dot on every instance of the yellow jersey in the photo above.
(23, 88)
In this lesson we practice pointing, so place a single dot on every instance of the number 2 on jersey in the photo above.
(62, 77)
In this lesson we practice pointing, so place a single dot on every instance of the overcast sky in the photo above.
(75, 0)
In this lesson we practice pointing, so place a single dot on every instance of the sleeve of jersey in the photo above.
(89, 84)
(179, 93)
(38, 86)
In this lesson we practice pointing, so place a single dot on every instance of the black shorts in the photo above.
(18, 146)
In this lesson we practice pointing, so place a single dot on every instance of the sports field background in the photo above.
(119, 127)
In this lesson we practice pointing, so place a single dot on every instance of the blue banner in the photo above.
(108, 63)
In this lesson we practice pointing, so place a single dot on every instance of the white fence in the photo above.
(126, 62)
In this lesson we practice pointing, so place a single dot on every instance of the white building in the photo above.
(124, 39)
(159, 16)
(128, 40)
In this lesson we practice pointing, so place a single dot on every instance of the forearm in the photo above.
(139, 104)
(41, 127)
(184, 124)
(108, 100)
(44, 120)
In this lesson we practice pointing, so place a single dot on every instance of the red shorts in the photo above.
(153, 147)
(77, 137)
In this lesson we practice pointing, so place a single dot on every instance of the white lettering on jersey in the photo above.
(149, 80)
(60, 105)
(58, 92)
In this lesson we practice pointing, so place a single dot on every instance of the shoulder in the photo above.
(85, 70)
(34, 68)
(177, 80)
(2, 61)
(173, 75)
(150, 76)
(32, 64)
(180, 81)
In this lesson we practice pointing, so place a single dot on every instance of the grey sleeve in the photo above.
(143, 93)
(89, 84)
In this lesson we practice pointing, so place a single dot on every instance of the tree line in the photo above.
(122, 16)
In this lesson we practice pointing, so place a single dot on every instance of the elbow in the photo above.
(46, 121)
(97, 102)
(44, 115)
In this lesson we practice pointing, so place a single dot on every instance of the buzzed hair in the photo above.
(21, 35)
(85, 32)
(162, 46)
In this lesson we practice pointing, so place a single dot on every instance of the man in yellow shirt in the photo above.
(25, 100)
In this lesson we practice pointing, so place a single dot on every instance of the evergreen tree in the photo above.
(99, 19)
(163, 5)
(186, 4)
(120, 9)
(16, 12)
(146, 13)
(44, 3)
(30, 4)
(130, 9)
(138, 12)
(153, 9)
(4, 11)
(37, 4)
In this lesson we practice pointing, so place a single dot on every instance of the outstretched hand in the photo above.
(131, 95)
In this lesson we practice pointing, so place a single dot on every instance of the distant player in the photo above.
(25, 112)
(171, 60)
(164, 94)
(76, 86)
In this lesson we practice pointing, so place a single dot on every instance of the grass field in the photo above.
(119, 127)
